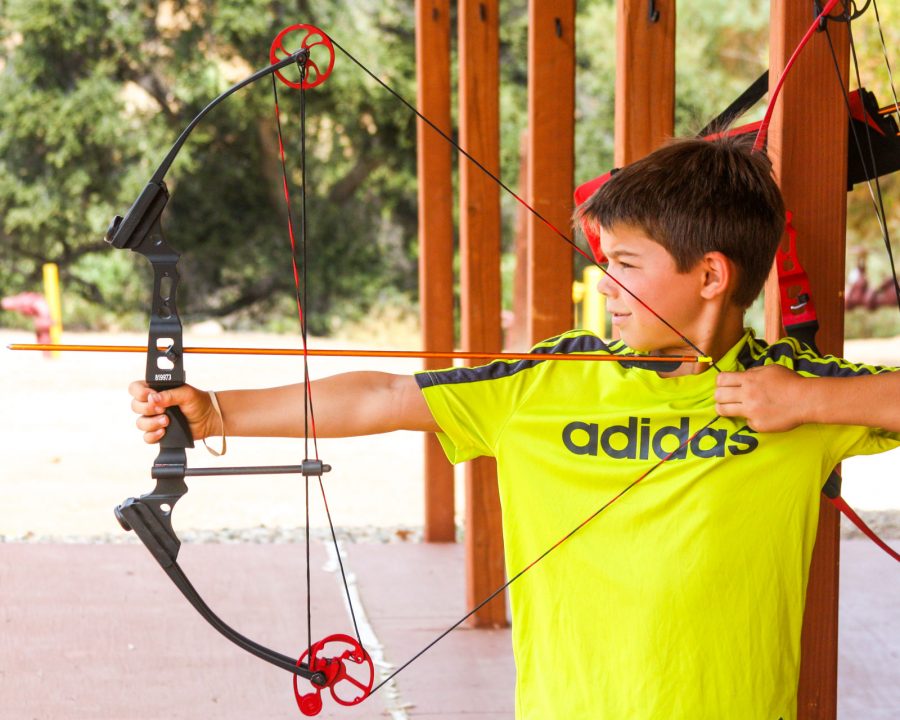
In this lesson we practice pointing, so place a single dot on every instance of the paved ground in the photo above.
(97, 632)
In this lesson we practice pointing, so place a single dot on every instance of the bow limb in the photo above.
(760, 142)
(150, 516)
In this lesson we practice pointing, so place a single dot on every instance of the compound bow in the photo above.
(337, 662)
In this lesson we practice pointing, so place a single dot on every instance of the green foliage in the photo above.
(95, 92)
(721, 48)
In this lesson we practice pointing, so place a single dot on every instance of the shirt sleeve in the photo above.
(845, 441)
(473, 405)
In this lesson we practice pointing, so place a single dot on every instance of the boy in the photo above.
(685, 599)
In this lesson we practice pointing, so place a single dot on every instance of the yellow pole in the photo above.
(51, 294)
(578, 302)
(594, 304)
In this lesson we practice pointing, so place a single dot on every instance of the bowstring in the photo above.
(758, 145)
(518, 198)
(887, 62)
(301, 294)
(543, 555)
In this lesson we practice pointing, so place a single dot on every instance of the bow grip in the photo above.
(141, 231)
(178, 433)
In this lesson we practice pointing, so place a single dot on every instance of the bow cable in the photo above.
(518, 198)
(758, 145)
(301, 294)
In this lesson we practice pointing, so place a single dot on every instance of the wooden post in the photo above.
(479, 239)
(435, 238)
(645, 77)
(808, 147)
(518, 337)
(551, 164)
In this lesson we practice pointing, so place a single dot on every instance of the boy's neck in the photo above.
(715, 340)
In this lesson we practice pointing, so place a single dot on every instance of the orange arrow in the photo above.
(370, 353)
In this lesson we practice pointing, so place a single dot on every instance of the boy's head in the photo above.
(693, 197)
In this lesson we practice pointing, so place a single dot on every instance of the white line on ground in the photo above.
(393, 700)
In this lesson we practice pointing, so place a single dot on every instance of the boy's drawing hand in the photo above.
(151, 406)
(769, 397)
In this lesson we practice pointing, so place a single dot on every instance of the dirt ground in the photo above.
(70, 451)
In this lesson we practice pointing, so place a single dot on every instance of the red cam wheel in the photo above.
(298, 37)
(348, 670)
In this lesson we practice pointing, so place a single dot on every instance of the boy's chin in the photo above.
(638, 344)
(647, 347)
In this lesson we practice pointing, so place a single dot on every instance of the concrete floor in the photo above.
(96, 632)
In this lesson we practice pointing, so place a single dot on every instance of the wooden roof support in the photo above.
(550, 166)
(808, 148)
(479, 240)
(645, 77)
(435, 172)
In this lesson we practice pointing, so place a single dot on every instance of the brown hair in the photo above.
(694, 196)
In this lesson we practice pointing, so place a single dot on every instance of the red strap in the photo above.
(797, 307)
(582, 193)
(842, 505)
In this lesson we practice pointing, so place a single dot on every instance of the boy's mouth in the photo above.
(618, 318)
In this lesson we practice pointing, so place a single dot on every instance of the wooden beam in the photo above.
(808, 148)
(517, 336)
(435, 238)
(645, 77)
(479, 238)
(551, 164)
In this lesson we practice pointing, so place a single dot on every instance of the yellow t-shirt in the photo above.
(684, 598)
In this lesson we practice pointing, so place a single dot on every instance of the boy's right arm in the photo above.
(357, 403)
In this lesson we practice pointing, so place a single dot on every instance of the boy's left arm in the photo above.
(774, 398)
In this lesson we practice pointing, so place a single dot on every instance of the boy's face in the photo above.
(648, 270)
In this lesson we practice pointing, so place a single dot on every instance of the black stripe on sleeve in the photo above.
(801, 358)
(563, 344)
(570, 343)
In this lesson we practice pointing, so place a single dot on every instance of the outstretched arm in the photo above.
(357, 403)
(773, 399)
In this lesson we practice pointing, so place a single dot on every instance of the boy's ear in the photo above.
(719, 275)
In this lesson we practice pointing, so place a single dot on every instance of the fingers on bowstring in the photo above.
(728, 379)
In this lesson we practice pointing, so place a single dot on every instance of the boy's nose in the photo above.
(605, 286)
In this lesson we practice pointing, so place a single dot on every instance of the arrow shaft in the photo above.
(437, 355)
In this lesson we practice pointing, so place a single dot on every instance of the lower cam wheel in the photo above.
(347, 668)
